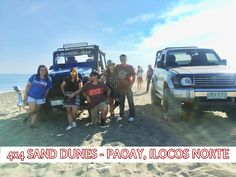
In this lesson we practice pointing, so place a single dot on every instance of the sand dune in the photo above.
(209, 129)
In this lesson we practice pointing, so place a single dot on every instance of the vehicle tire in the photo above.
(155, 100)
(172, 108)
(46, 108)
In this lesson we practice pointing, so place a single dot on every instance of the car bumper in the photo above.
(199, 96)
(56, 102)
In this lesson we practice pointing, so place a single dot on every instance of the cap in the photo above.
(16, 88)
(110, 62)
(94, 73)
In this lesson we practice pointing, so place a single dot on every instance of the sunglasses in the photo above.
(43, 70)
(92, 75)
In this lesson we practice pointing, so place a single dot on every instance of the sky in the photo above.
(30, 30)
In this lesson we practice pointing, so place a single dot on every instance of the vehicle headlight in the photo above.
(186, 81)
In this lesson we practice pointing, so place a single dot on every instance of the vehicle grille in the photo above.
(221, 80)
(56, 89)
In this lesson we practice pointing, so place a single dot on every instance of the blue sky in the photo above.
(31, 30)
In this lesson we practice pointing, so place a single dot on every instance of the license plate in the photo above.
(56, 102)
(217, 95)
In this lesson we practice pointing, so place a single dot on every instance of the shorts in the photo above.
(37, 101)
(140, 79)
(94, 111)
(71, 102)
(20, 103)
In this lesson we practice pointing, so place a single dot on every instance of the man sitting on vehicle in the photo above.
(96, 94)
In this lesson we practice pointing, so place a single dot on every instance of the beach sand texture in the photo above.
(209, 129)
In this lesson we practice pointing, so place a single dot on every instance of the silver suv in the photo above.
(191, 76)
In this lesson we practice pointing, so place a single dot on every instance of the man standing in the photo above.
(126, 78)
(96, 94)
(149, 76)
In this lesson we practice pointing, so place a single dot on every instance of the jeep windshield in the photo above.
(73, 56)
(193, 57)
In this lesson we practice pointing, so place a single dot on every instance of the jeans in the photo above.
(130, 98)
(148, 83)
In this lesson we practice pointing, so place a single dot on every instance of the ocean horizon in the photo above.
(7, 81)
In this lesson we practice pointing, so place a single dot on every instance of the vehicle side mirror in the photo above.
(50, 68)
(224, 61)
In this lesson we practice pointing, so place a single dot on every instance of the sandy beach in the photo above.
(209, 129)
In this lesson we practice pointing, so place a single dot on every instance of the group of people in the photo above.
(102, 93)
(140, 73)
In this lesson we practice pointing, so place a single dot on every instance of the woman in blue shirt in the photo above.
(36, 92)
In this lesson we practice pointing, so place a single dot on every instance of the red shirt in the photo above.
(95, 92)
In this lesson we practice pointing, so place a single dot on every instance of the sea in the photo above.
(7, 81)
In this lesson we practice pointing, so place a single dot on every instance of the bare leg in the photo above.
(74, 112)
(69, 114)
(139, 85)
(34, 115)
(32, 109)
(111, 110)
(104, 113)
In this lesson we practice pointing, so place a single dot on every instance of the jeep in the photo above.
(84, 57)
(191, 77)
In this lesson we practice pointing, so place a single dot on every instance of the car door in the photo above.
(157, 70)
(161, 74)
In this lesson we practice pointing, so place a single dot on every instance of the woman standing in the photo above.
(36, 92)
(71, 87)
(140, 77)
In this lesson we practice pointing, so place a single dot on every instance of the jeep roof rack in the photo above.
(73, 45)
(180, 47)
(76, 46)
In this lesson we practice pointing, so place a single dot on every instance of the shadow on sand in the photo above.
(147, 130)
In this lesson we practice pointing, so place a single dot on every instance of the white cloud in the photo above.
(140, 18)
(184, 8)
(211, 25)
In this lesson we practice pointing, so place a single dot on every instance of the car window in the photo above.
(212, 58)
(101, 62)
(60, 60)
(74, 56)
(193, 57)
(182, 58)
